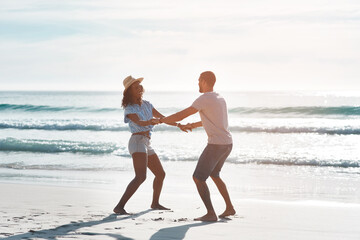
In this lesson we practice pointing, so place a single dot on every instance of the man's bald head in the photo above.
(209, 78)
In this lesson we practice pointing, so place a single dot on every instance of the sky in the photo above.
(250, 45)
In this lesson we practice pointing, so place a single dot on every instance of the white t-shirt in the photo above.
(214, 117)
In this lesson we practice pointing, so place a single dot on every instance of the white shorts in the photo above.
(140, 143)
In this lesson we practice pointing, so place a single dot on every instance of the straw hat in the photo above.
(130, 80)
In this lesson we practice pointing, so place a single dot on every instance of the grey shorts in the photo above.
(211, 161)
(140, 143)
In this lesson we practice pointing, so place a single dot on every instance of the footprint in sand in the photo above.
(180, 220)
(6, 234)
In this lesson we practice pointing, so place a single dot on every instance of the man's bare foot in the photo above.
(159, 207)
(120, 211)
(209, 217)
(227, 212)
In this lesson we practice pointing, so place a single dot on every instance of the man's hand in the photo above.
(185, 128)
(189, 127)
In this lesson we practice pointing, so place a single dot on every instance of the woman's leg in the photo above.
(156, 168)
(140, 163)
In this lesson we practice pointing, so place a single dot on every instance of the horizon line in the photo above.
(187, 91)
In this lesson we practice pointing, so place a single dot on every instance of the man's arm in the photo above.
(179, 115)
(195, 125)
(157, 114)
(191, 126)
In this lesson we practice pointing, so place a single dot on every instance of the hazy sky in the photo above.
(249, 44)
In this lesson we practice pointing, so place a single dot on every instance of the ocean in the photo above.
(80, 138)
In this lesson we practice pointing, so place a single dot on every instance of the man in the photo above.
(214, 119)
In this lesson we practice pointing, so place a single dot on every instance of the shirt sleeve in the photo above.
(150, 106)
(198, 103)
(128, 110)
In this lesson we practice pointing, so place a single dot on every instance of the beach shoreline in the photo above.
(54, 212)
(293, 172)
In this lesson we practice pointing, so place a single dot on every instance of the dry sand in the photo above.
(52, 212)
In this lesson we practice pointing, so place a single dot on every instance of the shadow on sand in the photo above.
(178, 232)
(69, 229)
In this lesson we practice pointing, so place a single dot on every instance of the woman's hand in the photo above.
(154, 121)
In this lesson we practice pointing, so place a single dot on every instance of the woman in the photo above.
(139, 114)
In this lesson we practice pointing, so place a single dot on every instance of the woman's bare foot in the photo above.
(158, 207)
(120, 211)
(209, 217)
(227, 212)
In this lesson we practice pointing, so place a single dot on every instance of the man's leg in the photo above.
(215, 175)
(204, 167)
(225, 194)
(205, 196)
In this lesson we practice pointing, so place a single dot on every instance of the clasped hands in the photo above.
(184, 128)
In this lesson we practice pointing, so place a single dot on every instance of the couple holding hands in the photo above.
(142, 116)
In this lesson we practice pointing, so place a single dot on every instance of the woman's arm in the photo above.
(157, 114)
(135, 118)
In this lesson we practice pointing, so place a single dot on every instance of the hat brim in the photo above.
(132, 82)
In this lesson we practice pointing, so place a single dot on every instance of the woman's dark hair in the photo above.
(128, 98)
